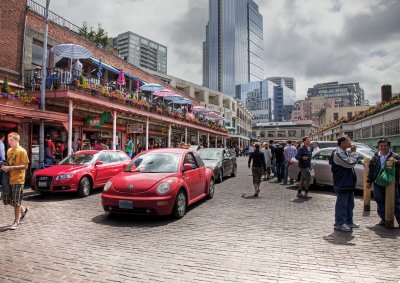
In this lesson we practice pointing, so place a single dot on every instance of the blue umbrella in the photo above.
(99, 71)
(151, 87)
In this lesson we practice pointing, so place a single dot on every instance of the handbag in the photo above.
(385, 176)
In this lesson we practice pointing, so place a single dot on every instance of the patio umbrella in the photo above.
(71, 51)
(121, 77)
(151, 87)
(165, 92)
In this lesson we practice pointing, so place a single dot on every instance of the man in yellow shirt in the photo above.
(18, 161)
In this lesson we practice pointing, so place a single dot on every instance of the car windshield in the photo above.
(78, 159)
(155, 163)
(210, 154)
(368, 153)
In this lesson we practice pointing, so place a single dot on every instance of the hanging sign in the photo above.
(97, 122)
(134, 128)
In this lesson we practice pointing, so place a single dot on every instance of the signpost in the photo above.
(134, 129)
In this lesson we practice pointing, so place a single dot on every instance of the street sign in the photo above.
(134, 128)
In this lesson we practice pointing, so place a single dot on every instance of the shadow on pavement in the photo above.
(250, 196)
(300, 200)
(45, 197)
(383, 232)
(340, 238)
(4, 228)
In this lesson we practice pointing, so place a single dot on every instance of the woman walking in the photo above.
(258, 167)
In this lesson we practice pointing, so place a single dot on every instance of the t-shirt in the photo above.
(129, 146)
(17, 156)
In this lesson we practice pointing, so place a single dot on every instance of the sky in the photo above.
(314, 41)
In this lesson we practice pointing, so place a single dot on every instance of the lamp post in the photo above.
(43, 83)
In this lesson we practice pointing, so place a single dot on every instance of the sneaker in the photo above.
(14, 226)
(382, 222)
(23, 214)
(343, 227)
(284, 183)
(354, 225)
(299, 195)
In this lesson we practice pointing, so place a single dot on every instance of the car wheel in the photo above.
(84, 187)
(234, 170)
(220, 176)
(180, 205)
(211, 189)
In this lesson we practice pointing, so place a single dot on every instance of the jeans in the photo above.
(287, 164)
(380, 195)
(280, 170)
(344, 206)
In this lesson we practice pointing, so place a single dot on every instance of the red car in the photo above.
(161, 181)
(81, 172)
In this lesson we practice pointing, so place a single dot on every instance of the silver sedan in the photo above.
(322, 169)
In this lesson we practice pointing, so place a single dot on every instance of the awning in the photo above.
(113, 69)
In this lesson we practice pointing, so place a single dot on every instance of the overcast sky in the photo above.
(313, 41)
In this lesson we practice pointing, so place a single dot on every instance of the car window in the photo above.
(155, 163)
(198, 159)
(78, 159)
(114, 157)
(104, 157)
(210, 154)
(189, 158)
(123, 157)
(323, 155)
(227, 154)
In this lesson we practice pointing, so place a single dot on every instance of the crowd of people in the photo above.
(270, 158)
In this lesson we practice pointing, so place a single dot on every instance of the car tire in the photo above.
(234, 171)
(220, 176)
(84, 187)
(180, 205)
(211, 189)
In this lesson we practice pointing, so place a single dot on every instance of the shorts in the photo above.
(257, 173)
(305, 174)
(16, 194)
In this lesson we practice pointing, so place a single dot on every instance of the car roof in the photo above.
(168, 150)
(96, 151)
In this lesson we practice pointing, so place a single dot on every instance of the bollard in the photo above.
(367, 193)
(389, 199)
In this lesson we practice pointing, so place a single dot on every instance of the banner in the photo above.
(134, 128)
(97, 122)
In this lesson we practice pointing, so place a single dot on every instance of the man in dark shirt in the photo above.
(304, 157)
(280, 162)
(258, 167)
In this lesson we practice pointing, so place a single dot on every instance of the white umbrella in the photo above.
(71, 51)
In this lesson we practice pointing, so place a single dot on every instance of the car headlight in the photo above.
(163, 188)
(64, 176)
(107, 186)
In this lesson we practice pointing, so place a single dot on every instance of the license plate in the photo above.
(42, 184)
(126, 204)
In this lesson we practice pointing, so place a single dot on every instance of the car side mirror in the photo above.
(187, 167)
(98, 162)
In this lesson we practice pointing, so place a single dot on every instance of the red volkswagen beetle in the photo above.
(160, 181)
(81, 172)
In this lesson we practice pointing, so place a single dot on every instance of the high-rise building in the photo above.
(286, 81)
(266, 100)
(141, 52)
(350, 94)
(233, 50)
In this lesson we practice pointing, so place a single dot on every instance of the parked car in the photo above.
(221, 160)
(325, 144)
(161, 181)
(322, 169)
(81, 172)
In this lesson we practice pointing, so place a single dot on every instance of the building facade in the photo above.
(349, 94)
(329, 115)
(283, 131)
(266, 100)
(233, 49)
(308, 109)
(141, 51)
(284, 81)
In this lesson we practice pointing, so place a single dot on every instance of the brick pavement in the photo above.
(231, 238)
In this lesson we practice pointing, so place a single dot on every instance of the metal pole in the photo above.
(198, 137)
(208, 140)
(70, 111)
(114, 146)
(216, 141)
(147, 133)
(43, 84)
(185, 134)
(169, 135)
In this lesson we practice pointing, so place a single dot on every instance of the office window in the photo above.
(349, 115)
(377, 130)
(335, 116)
(366, 132)
(392, 128)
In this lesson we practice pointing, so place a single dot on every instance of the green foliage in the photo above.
(5, 88)
(98, 37)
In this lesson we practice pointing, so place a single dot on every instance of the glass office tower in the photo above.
(233, 50)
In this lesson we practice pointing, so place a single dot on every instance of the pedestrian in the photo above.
(378, 161)
(273, 160)
(289, 151)
(280, 162)
(258, 167)
(315, 147)
(2, 157)
(344, 183)
(267, 156)
(18, 161)
(129, 146)
(304, 157)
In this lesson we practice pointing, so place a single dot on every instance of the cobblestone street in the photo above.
(232, 238)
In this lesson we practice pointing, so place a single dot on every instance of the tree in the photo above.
(98, 37)
(5, 88)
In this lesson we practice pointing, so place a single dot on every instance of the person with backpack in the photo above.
(378, 162)
(344, 183)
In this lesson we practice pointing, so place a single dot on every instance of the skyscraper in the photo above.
(141, 52)
(284, 81)
(233, 52)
